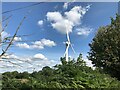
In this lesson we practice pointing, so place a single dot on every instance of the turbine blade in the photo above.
(72, 48)
(68, 38)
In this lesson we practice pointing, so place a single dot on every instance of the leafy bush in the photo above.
(72, 74)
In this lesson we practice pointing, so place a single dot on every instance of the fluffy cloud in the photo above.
(54, 16)
(48, 43)
(40, 22)
(24, 45)
(17, 39)
(13, 56)
(84, 31)
(37, 44)
(6, 56)
(63, 26)
(65, 6)
(4, 35)
(40, 56)
(88, 62)
(35, 62)
(75, 14)
(66, 22)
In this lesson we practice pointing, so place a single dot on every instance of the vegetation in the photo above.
(72, 74)
(105, 48)
(104, 54)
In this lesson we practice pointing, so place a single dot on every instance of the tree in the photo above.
(105, 48)
(11, 40)
(63, 61)
(47, 71)
(80, 60)
(70, 75)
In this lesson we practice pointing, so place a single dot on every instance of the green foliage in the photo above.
(63, 61)
(80, 60)
(105, 48)
(72, 74)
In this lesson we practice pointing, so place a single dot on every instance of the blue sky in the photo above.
(46, 41)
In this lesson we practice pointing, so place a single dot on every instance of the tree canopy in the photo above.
(72, 74)
(105, 48)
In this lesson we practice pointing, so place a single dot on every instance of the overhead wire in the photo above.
(7, 18)
(21, 8)
(4, 51)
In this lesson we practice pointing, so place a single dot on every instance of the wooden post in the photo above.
(119, 7)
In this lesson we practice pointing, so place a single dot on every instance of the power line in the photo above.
(7, 18)
(22, 8)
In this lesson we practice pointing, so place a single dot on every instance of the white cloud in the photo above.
(4, 35)
(84, 31)
(48, 43)
(17, 39)
(13, 56)
(75, 14)
(7, 56)
(66, 22)
(88, 62)
(63, 26)
(24, 45)
(37, 44)
(36, 62)
(40, 56)
(65, 6)
(54, 16)
(40, 22)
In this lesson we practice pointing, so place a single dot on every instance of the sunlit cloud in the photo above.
(37, 44)
(84, 31)
(40, 56)
(66, 4)
(29, 63)
(40, 22)
(17, 39)
(70, 19)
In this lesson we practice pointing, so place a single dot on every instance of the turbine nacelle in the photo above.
(67, 43)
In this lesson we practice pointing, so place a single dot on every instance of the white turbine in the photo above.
(68, 44)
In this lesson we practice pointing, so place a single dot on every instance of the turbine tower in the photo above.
(68, 44)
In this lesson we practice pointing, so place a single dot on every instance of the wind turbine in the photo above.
(68, 44)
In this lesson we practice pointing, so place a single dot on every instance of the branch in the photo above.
(5, 27)
(12, 63)
(7, 18)
(13, 37)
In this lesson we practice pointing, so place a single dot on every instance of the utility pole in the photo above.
(0, 33)
(0, 22)
(119, 7)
